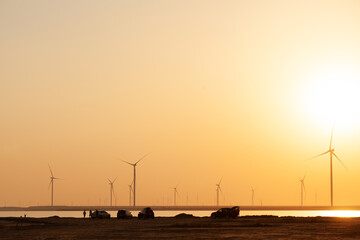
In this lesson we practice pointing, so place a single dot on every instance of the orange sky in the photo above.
(211, 88)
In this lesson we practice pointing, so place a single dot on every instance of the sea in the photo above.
(79, 214)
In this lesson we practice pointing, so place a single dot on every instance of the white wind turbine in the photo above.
(52, 185)
(301, 180)
(134, 180)
(175, 193)
(111, 183)
(331, 151)
(218, 188)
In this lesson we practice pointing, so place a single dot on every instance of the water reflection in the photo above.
(299, 213)
(347, 213)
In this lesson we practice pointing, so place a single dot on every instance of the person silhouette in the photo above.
(84, 213)
(90, 212)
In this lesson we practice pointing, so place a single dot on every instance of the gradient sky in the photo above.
(232, 89)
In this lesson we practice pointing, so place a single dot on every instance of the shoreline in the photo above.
(181, 208)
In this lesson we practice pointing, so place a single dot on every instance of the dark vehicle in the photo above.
(100, 214)
(226, 213)
(124, 214)
(146, 213)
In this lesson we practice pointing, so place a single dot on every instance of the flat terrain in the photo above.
(262, 227)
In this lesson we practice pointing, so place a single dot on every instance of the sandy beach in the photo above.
(262, 227)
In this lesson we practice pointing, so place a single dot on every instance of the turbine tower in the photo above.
(111, 189)
(52, 185)
(218, 188)
(252, 196)
(175, 193)
(301, 180)
(331, 151)
(134, 180)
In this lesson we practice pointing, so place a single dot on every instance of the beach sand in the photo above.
(262, 227)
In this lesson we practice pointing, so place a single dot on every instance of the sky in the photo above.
(245, 91)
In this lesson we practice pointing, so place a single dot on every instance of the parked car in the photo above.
(100, 214)
(226, 213)
(124, 214)
(146, 213)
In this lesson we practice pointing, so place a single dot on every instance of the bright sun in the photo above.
(333, 97)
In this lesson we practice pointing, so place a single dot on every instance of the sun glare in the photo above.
(333, 97)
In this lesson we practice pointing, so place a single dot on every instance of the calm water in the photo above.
(78, 214)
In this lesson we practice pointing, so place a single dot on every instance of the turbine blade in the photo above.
(115, 179)
(49, 185)
(340, 161)
(109, 181)
(332, 132)
(318, 155)
(220, 180)
(51, 171)
(142, 158)
(128, 163)
(124, 161)
(58, 178)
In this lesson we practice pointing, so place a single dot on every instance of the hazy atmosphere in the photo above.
(245, 91)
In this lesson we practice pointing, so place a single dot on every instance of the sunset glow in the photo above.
(242, 91)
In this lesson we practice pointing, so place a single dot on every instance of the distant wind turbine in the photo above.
(175, 193)
(52, 185)
(111, 189)
(301, 180)
(331, 151)
(252, 196)
(218, 188)
(134, 180)
(130, 191)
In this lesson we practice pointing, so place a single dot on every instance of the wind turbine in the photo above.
(175, 193)
(130, 191)
(252, 196)
(52, 185)
(134, 180)
(301, 180)
(331, 151)
(218, 188)
(111, 189)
